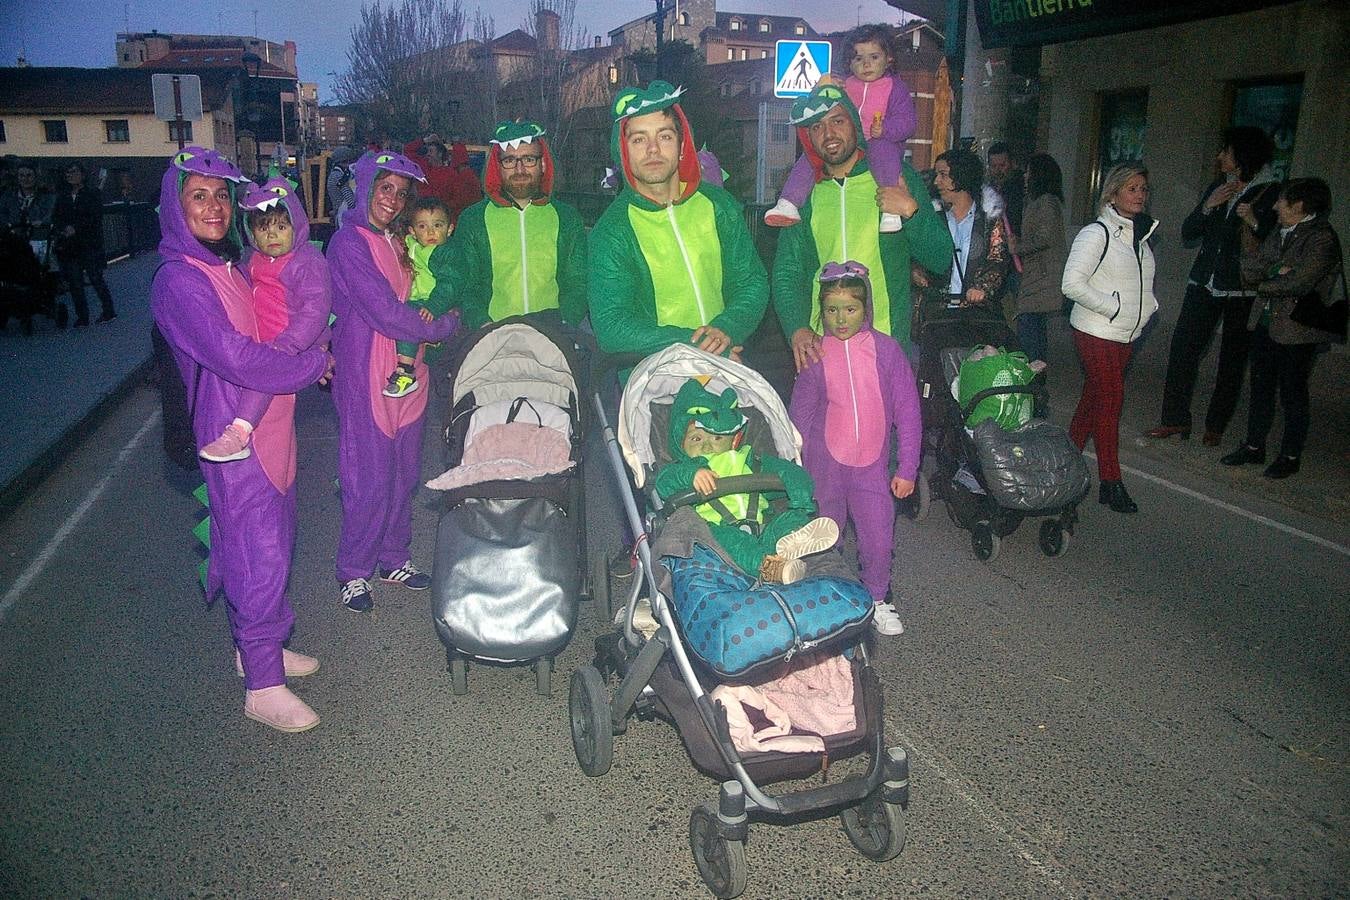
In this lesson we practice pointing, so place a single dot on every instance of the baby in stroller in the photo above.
(707, 440)
(763, 681)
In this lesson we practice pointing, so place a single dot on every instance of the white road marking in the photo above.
(71, 523)
(1010, 832)
(1236, 510)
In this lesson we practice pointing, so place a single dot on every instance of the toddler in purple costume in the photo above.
(887, 114)
(845, 407)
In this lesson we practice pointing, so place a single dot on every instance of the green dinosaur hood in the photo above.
(713, 413)
(812, 108)
(635, 101)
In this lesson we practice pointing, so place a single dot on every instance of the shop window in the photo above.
(1120, 138)
(1271, 105)
(116, 131)
(184, 127)
(54, 131)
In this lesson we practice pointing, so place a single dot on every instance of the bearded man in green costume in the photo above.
(671, 258)
(518, 250)
(840, 220)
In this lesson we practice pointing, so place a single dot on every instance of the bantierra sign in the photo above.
(1021, 23)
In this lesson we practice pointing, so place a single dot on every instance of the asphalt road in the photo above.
(1162, 712)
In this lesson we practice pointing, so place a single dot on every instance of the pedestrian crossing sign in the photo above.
(798, 65)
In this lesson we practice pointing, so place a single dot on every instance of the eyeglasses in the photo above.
(515, 162)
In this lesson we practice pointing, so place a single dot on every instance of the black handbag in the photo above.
(1310, 312)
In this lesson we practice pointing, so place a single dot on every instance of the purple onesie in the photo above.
(884, 154)
(202, 304)
(303, 276)
(379, 438)
(861, 391)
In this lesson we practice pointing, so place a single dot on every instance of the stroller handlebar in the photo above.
(731, 484)
(981, 396)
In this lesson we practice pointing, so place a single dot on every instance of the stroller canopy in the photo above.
(658, 378)
(515, 360)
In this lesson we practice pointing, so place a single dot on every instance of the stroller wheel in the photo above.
(543, 676)
(592, 730)
(918, 504)
(875, 827)
(1054, 538)
(720, 861)
(984, 541)
(459, 676)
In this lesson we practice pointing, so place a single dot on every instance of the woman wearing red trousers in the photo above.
(1109, 278)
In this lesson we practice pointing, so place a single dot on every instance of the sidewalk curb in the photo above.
(17, 489)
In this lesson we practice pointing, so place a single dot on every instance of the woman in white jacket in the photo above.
(1109, 278)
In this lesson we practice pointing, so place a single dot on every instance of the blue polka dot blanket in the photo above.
(735, 624)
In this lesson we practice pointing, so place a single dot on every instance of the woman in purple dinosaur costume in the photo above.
(203, 305)
(846, 407)
(379, 439)
(291, 297)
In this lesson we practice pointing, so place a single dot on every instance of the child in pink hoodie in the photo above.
(886, 111)
(845, 407)
(291, 298)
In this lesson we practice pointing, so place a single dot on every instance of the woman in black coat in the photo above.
(77, 228)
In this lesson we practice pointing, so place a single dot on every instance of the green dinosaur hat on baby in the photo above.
(714, 413)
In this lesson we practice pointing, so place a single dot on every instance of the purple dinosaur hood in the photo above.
(364, 171)
(834, 271)
(277, 190)
(176, 241)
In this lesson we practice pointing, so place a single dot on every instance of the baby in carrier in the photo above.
(707, 442)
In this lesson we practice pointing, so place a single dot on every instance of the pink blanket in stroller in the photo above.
(507, 452)
(792, 713)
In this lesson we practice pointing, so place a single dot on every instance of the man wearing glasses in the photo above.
(519, 250)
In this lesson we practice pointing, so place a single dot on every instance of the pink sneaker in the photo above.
(297, 665)
(231, 445)
(278, 707)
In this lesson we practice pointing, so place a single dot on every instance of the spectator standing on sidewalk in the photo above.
(77, 229)
(1301, 257)
(204, 307)
(1043, 252)
(1109, 278)
(1214, 290)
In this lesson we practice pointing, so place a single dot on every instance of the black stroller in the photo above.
(659, 673)
(28, 286)
(510, 563)
(991, 479)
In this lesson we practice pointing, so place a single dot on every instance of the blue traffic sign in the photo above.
(798, 65)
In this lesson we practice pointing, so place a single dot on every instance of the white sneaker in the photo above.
(891, 223)
(816, 536)
(886, 620)
(782, 214)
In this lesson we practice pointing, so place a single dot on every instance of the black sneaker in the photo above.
(1282, 467)
(1244, 455)
(356, 595)
(408, 575)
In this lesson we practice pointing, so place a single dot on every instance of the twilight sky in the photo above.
(83, 33)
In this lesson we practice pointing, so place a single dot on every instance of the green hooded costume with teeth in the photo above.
(840, 220)
(503, 260)
(720, 414)
(657, 272)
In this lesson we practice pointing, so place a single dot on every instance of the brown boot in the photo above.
(777, 570)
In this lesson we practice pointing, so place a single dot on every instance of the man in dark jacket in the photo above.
(1214, 291)
(77, 228)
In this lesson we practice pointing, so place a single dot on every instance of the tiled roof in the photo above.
(211, 58)
(69, 90)
(514, 40)
(780, 26)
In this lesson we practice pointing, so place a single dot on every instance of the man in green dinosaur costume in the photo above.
(671, 260)
(840, 221)
(706, 443)
(518, 250)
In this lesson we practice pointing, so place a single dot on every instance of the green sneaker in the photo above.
(401, 384)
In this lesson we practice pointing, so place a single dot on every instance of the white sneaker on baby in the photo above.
(886, 620)
(782, 214)
(891, 223)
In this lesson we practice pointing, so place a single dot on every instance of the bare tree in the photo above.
(402, 54)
